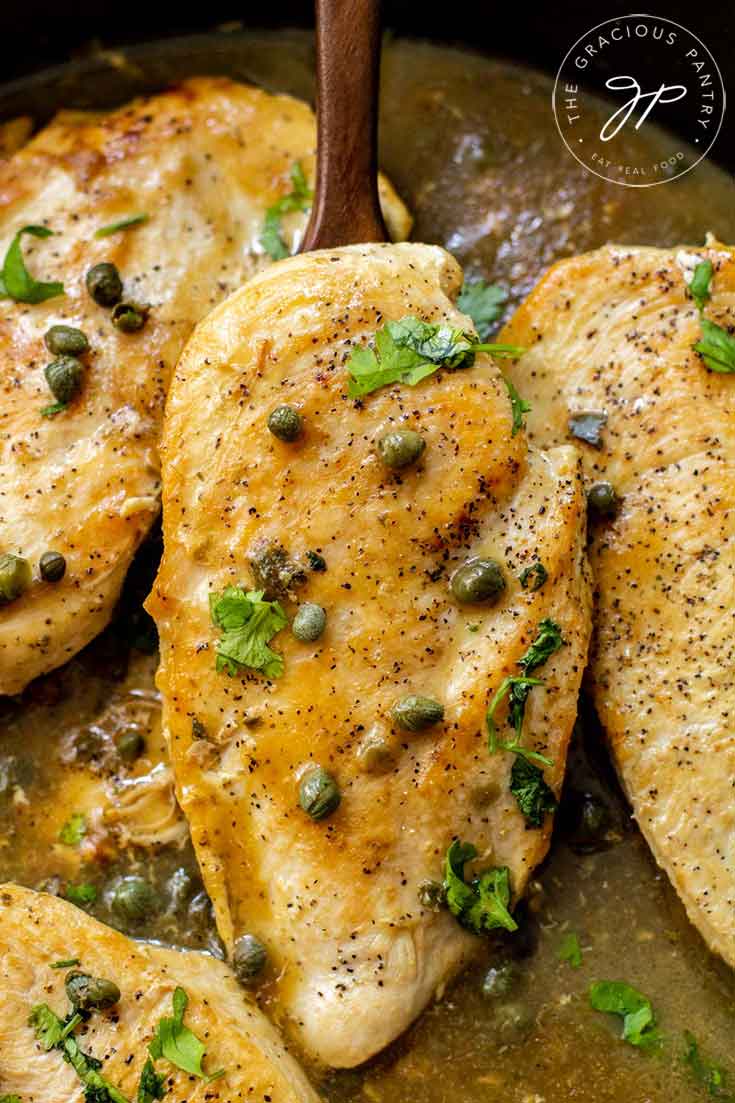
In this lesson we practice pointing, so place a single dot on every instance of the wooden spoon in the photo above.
(346, 206)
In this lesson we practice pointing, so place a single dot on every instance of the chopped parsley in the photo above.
(518, 406)
(177, 1043)
(717, 347)
(73, 830)
(298, 199)
(548, 640)
(67, 963)
(533, 796)
(123, 224)
(481, 905)
(151, 1085)
(710, 1075)
(409, 350)
(533, 577)
(55, 1033)
(699, 286)
(10, 1099)
(248, 625)
(484, 304)
(16, 282)
(570, 950)
(81, 895)
(618, 998)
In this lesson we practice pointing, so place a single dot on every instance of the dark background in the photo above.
(37, 34)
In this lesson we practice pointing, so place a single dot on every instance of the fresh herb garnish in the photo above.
(481, 905)
(533, 577)
(248, 624)
(68, 963)
(518, 405)
(298, 199)
(717, 347)
(588, 427)
(81, 895)
(16, 282)
(55, 1033)
(484, 304)
(73, 830)
(570, 950)
(10, 1099)
(699, 287)
(548, 640)
(533, 795)
(151, 1085)
(177, 1043)
(618, 998)
(409, 350)
(122, 224)
(710, 1075)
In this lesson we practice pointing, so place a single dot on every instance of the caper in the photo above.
(274, 571)
(15, 577)
(592, 824)
(52, 566)
(286, 423)
(309, 622)
(431, 895)
(414, 714)
(66, 341)
(400, 448)
(129, 317)
(499, 980)
(88, 993)
(319, 793)
(130, 745)
(249, 956)
(478, 581)
(133, 898)
(64, 376)
(89, 744)
(104, 284)
(375, 754)
(602, 499)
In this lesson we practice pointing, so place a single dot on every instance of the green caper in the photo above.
(89, 744)
(129, 317)
(499, 980)
(602, 499)
(592, 824)
(414, 714)
(104, 284)
(286, 423)
(249, 956)
(64, 376)
(478, 581)
(375, 754)
(319, 793)
(309, 622)
(133, 898)
(400, 448)
(130, 745)
(88, 993)
(52, 566)
(432, 895)
(15, 577)
(66, 341)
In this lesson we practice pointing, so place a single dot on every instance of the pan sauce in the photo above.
(472, 147)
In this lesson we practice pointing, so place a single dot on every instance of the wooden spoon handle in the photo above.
(346, 206)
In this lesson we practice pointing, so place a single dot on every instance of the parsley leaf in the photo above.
(481, 905)
(16, 282)
(484, 304)
(81, 895)
(67, 963)
(73, 830)
(177, 1043)
(151, 1085)
(618, 998)
(717, 347)
(298, 199)
(55, 1033)
(711, 1076)
(518, 406)
(248, 624)
(699, 286)
(533, 795)
(570, 950)
(548, 640)
(10, 1099)
(532, 578)
(123, 224)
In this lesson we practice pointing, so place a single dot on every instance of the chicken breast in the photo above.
(612, 332)
(204, 163)
(38, 931)
(355, 955)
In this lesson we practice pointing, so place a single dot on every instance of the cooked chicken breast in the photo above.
(612, 332)
(354, 954)
(38, 931)
(204, 163)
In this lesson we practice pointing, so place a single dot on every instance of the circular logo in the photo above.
(656, 76)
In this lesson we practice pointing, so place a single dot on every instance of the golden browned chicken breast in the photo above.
(612, 360)
(208, 181)
(213, 1043)
(347, 584)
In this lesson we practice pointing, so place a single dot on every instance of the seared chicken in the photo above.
(356, 948)
(611, 333)
(204, 163)
(37, 932)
